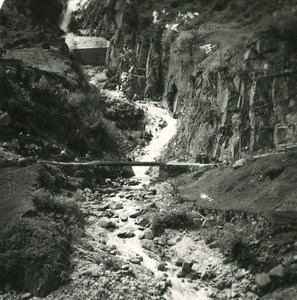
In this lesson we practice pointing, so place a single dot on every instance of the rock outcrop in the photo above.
(230, 85)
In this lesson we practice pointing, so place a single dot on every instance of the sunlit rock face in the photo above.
(232, 87)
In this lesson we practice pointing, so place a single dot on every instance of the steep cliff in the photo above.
(226, 69)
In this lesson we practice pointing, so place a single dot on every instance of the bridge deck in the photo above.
(124, 163)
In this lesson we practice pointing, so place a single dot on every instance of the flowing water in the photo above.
(161, 136)
(180, 290)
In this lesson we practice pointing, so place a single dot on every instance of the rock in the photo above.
(171, 242)
(187, 267)
(179, 262)
(148, 234)
(22, 162)
(5, 119)
(263, 280)
(149, 245)
(106, 223)
(124, 218)
(117, 206)
(136, 260)
(143, 222)
(26, 296)
(240, 273)
(239, 163)
(141, 236)
(162, 266)
(108, 180)
(129, 196)
(208, 275)
(180, 275)
(162, 241)
(125, 267)
(278, 272)
(126, 234)
(136, 214)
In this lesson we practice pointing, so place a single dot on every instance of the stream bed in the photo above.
(121, 257)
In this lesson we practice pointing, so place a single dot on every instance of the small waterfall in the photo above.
(161, 137)
(71, 6)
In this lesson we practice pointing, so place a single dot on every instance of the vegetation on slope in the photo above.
(35, 250)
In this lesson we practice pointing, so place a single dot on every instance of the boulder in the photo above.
(171, 242)
(126, 234)
(162, 266)
(278, 272)
(263, 280)
(136, 260)
(208, 275)
(26, 296)
(135, 214)
(124, 218)
(143, 222)
(148, 234)
(117, 206)
(106, 223)
(239, 163)
(179, 262)
(187, 267)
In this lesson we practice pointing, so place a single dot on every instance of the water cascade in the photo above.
(161, 136)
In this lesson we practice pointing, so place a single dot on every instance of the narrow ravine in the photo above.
(120, 256)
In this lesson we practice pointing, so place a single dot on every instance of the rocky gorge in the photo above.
(206, 87)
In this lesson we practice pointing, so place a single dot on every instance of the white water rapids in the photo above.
(161, 137)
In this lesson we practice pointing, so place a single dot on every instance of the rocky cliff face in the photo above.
(227, 73)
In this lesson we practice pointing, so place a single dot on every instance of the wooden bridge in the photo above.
(124, 163)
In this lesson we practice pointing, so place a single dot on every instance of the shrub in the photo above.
(174, 219)
(48, 203)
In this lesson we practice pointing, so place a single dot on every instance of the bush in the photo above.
(48, 203)
(234, 245)
(173, 219)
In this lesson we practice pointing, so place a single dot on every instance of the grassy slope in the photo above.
(35, 249)
(263, 185)
(16, 185)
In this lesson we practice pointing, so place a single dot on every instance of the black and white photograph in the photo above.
(148, 149)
